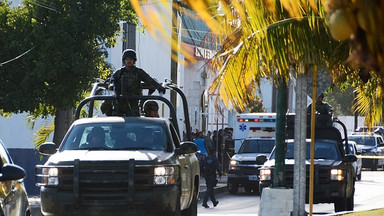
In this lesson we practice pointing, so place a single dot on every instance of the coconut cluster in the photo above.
(362, 22)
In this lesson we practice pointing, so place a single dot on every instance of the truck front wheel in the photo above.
(341, 204)
(232, 188)
(374, 165)
(350, 203)
(192, 209)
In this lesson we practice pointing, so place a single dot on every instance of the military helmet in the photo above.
(129, 54)
(150, 105)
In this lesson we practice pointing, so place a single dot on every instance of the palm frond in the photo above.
(369, 102)
(42, 134)
(5, 114)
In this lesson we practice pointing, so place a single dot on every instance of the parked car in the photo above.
(358, 163)
(365, 130)
(370, 145)
(13, 196)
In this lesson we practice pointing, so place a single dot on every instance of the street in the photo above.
(368, 195)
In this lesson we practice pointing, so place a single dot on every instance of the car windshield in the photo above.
(326, 150)
(116, 136)
(257, 146)
(363, 140)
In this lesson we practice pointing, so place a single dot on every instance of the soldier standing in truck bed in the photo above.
(321, 107)
(127, 81)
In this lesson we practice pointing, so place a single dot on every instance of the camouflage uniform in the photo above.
(132, 80)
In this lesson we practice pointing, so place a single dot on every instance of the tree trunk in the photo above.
(281, 110)
(299, 176)
(63, 120)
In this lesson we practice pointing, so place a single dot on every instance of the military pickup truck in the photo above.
(139, 168)
(334, 175)
(243, 170)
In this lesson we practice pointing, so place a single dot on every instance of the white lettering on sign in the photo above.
(204, 53)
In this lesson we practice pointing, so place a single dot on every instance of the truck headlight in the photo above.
(50, 176)
(265, 174)
(337, 174)
(164, 175)
(233, 164)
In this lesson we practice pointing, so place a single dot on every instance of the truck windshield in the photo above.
(326, 150)
(363, 140)
(257, 146)
(116, 136)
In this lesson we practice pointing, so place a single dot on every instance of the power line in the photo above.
(17, 57)
(43, 5)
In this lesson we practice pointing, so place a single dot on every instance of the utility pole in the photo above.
(281, 109)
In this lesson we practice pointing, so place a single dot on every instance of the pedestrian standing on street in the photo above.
(127, 82)
(207, 140)
(210, 167)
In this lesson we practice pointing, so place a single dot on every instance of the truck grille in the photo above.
(103, 182)
(321, 176)
(248, 162)
(249, 170)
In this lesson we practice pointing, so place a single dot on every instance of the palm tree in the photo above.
(266, 38)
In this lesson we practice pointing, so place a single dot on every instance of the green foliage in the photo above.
(15, 30)
(69, 39)
(43, 131)
(342, 100)
(255, 105)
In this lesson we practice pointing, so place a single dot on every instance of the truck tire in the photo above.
(251, 189)
(260, 190)
(350, 203)
(192, 210)
(28, 213)
(232, 188)
(178, 207)
(358, 177)
(340, 204)
(248, 189)
(374, 165)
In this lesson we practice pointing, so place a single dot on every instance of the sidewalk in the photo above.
(221, 186)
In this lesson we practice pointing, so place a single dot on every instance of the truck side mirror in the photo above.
(187, 147)
(260, 159)
(349, 158)
(47, 148)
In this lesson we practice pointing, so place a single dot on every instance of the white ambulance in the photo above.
(255, 125)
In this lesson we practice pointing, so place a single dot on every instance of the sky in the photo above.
(15, 2)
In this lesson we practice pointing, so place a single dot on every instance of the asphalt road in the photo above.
(368, 195)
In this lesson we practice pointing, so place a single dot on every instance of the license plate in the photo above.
(252, 178)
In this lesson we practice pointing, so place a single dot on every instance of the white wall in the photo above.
(15, 133)
(349, 122)
(266, 94)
